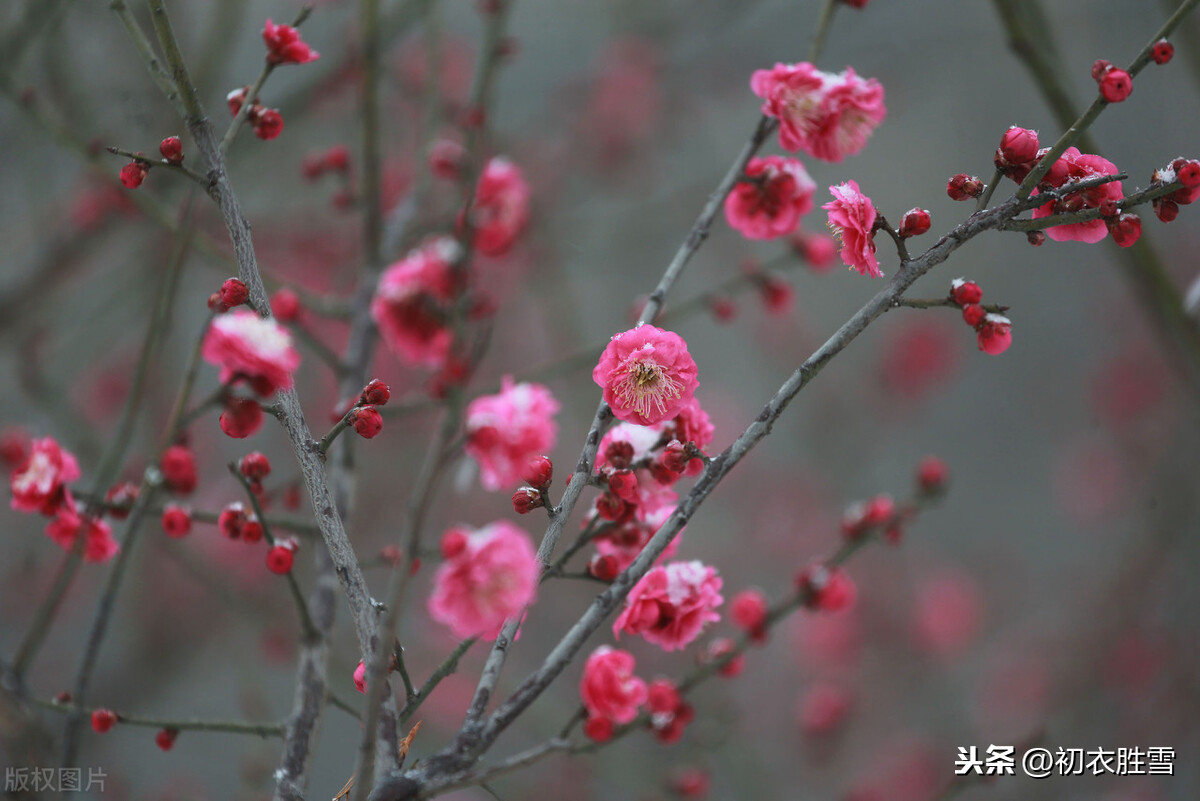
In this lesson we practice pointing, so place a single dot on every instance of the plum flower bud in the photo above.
(232, 520)
(375, 393)
(366, 421)
(826, 589)
(619, 454)
(932, 476)
(165, 738)
(234, 293)
(1116, 85)
(268, 124)
(284, 45)
(539, 472)
(1125, 229)
(453, 543)
(176, 520)
(280, 559)
(171, 149)
(445, 159)
(103, 720)
(132, 174)
(1099, 67)
(1017, 146)
(598, 729)
(235, 99)
(964, 187)
(120, 499)
(604, 567)
(995, 334)
(914, 223)
(1166, 210)
(178, 466)
(526, 499)
(965, 292)
(255, 466)
(719, 650)
(749, 610)
(241, 418)
(286, 305)
(973, 314)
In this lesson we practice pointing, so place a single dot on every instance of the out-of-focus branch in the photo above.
(291, 416)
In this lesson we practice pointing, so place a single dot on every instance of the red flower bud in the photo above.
(526, 499)
(965, 292)
(280, 559)
(176, 520)
(234, 293)
(914, 222)
(132, 174)
(171, 149)
(103, 720)
(973, 314)
(375, 393)
(539, 472)
(255, 466)
(1162, 52)
(367, 421)
(604, 567)
(964, 187)
(286, 305)
(1116, 85)
(932, 475)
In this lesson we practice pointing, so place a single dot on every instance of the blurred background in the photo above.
(1051, 594)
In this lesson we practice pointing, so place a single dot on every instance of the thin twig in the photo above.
(180, 724)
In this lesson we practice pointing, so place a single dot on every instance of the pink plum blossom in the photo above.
(66, 528)
(771, 204)
(501, 208)
(671, 604)
(852, 220)
(827, 115)
(492, 578)
(506, 430)
(647, 375)
(412, 303)
(1076, 166)
(609, 689)
(39, 481)
(258, 349)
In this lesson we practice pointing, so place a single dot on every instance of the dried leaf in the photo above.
(407, 741)
(345, 791)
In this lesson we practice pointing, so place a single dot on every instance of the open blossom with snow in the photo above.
(827, 115)
(1076, 166)
(491, 577)
(500, 211)
(671, 604)
(506, 430)
(771, 203)
(852, 220)
(412, 303)
(66, 528)
(39, 482)
(255, 348)
(609, 688)
(647, 375)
